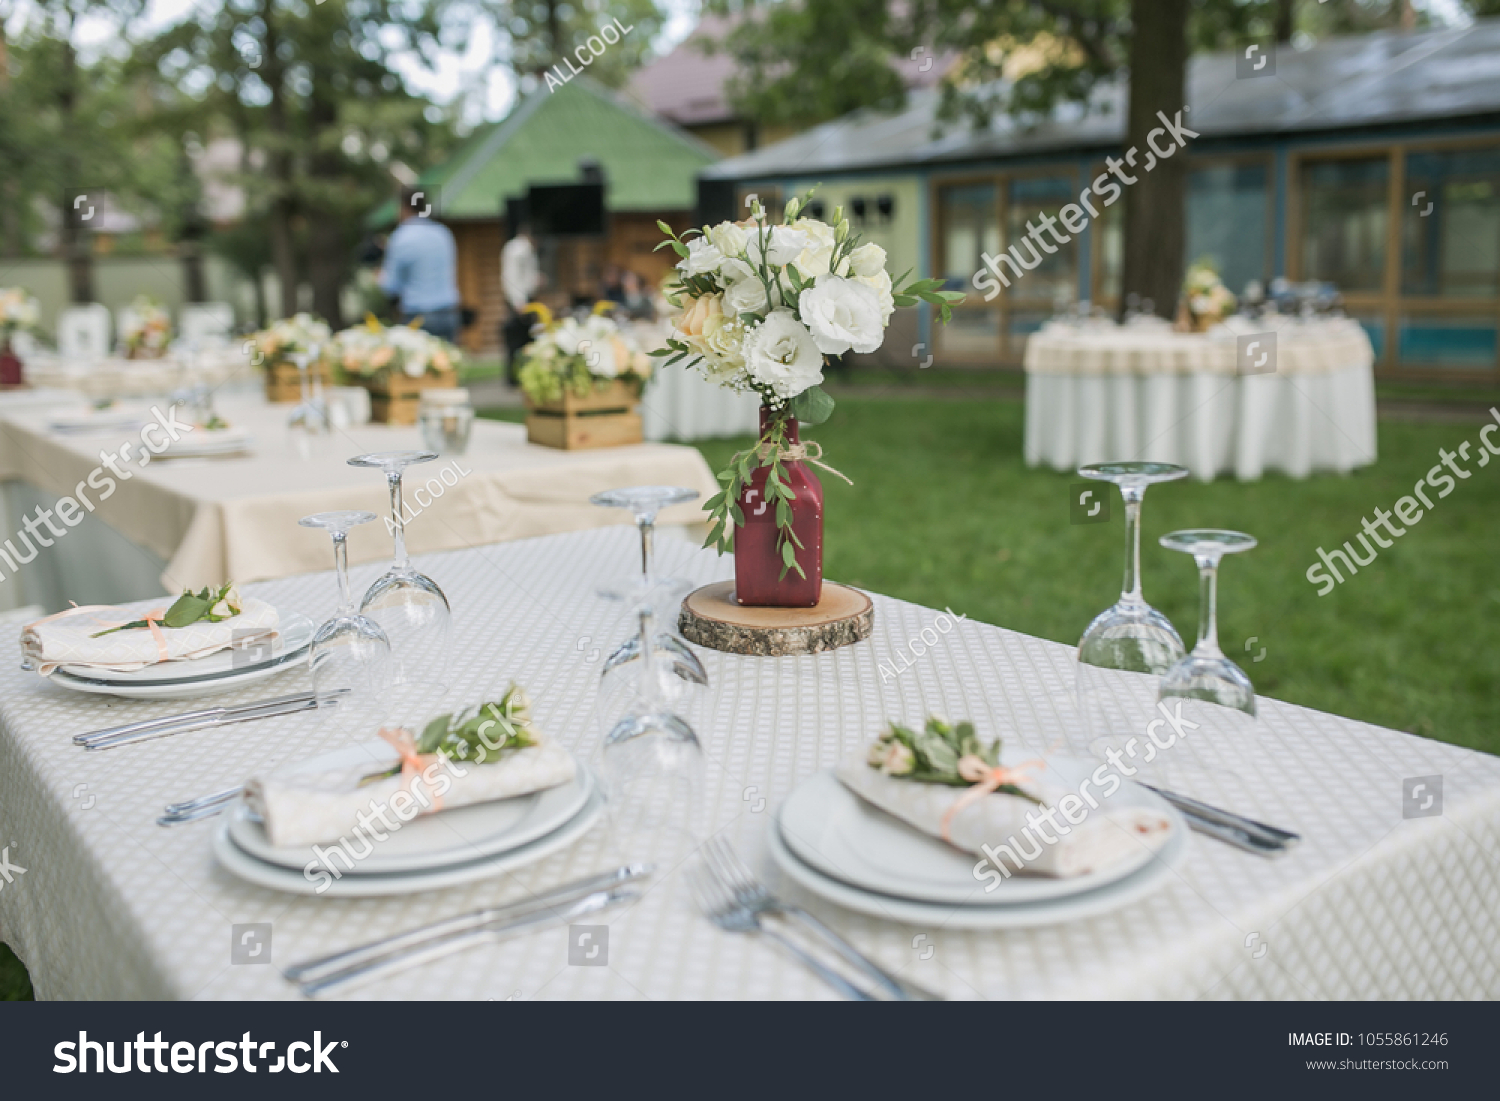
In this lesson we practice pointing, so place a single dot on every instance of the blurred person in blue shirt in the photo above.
(421, 262)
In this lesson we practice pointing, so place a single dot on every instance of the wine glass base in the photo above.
(1132, 636)
(1210, 679)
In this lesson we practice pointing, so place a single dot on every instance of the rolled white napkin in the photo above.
(301, 808)
(1107, 836)
(63, 639)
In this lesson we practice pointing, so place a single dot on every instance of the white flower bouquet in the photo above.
(1207, 299)
(148, 330)
(300, 334)
(18, 311)
(369, 349)
(579, 357)
(762, 306)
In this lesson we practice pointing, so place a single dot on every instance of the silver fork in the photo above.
(205, 806)
(730, 870)
(720, 906)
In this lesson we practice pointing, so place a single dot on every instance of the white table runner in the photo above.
(1371, 905)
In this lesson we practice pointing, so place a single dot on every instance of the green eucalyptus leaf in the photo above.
(812, 406)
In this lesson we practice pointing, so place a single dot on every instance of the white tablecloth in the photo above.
(1371, 905)
(204, 521)
(117, 377)
(1108, 393)
(680, 404)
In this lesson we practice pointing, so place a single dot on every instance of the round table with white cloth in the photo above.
(1100, 392)
(116, 377)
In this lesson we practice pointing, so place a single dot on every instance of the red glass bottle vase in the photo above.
(758, 580)
(10, 366)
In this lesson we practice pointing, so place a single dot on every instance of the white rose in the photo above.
(899, 760)
(867, 260)
(880, 283)
(567, 336)
(780, 353)
(599, 356)
(723, 345)
(842, 314)
(702, 258)
(815, 258)
(746, 296)
(728, 238)
(785, 245)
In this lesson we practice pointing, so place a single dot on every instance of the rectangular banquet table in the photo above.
(1371, 905)
(200, 521)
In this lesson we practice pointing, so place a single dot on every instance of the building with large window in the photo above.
(1371, 162)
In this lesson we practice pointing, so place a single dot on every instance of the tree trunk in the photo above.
(327, 255)
(554, 32)
(1285, 10)
(190, 237)
(10, 187)
(1156, 204)
(283, 208)
(78, 208)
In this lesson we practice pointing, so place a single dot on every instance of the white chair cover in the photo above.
(83, 332)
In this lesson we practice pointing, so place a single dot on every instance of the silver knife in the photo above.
(433, 948)
(311, 970)
(1236, 829)
(198, 720)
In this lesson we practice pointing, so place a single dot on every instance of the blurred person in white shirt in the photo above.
(520, 277)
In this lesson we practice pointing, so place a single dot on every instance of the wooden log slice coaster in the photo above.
(711, 617)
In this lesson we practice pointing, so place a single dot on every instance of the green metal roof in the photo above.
(648, 163)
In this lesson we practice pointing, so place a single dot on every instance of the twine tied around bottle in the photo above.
(799, 453)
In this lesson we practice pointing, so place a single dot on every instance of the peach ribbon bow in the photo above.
(412, 763)
(985, 780)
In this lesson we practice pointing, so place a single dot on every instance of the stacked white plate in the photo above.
(433, 851)
(202, 442)
(834, 844)
(114, 418)
(205, 676)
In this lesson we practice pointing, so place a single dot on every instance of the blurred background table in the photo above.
(1098, 392)
(190, 522)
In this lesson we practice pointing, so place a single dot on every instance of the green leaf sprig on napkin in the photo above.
(931, 755)
(484, 733)
(210, 605)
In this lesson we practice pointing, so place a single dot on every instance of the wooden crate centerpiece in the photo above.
(605, 417)
(284, 384)
(396, 397)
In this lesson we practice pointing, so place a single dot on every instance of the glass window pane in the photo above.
(1228, 221)
(1344, 223)
(1056, 274)
(1448, 342)
(1451, 226)
(970, 228)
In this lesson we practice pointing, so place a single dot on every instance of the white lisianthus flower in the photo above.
(813, 260)
(780, 353)
(867, 261)
(734, 271)
(728, 238)
(785, 245)
(567, 336)
(880, 283)
(842, 314)
(702, 258)
(746, 296)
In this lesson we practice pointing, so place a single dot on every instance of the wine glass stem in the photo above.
(648, 657)
(1131, 589)
(341, 564)
(398, 525)
(1208, 609)
(648, 529)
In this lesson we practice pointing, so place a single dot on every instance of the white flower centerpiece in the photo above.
(762, 306)
(580, 357)
(395, 363)
(1206, 300)
(148, 329)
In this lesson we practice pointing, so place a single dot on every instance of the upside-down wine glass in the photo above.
(350, 656)
(651, 760)
(310, 415)
(1130, 635)
(408, 605)
(1206, 674)
(678, 659)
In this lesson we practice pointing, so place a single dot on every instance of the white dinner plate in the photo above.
(833, 830)
(201, 442)
(294, 632)
(98, 420)
(240, 863)
(431, 841)
(1122, 892)
(181, 689)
